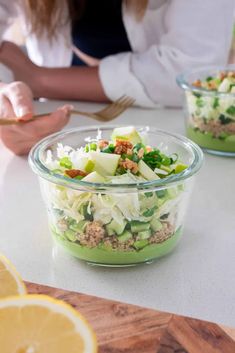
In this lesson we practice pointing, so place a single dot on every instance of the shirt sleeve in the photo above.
(196, 33)
(8, 11)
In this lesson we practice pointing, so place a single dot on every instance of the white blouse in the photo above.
(173, 35)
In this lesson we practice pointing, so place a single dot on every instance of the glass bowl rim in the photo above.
(183, 83)
(41, 170)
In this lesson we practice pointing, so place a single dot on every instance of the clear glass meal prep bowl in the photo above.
(88, 235)
(207, 122)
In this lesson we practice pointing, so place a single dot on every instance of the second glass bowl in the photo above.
(209, 115)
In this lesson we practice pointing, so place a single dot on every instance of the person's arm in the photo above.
(77, 83)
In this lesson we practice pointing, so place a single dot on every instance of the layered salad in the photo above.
(116, 226)
(212, 112)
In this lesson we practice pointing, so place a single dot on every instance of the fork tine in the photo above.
(111, 105)
(115, 111)
(123, 101)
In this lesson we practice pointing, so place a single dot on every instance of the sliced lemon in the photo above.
(10, 281)
(39, 324)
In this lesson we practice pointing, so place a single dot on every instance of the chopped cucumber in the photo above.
(172, 192)
(137, 226)
(105, 163)
(155, 225)
(127, 133)
(124, 236)
(140, 244)
(79, 227)
(115, 227)
(109, 230)
(146, 171)
(144, 234)
(231, 138)
(70, 235)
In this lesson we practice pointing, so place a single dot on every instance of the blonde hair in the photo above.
(49, 14)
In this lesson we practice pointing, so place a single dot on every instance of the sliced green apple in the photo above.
(180, 167)
(81, 163)
(105, 163)
(127, 133)
(146, 171)
(94, 177)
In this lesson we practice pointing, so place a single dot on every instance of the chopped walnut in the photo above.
(197, 83)
(123, 146)
(212, 85)
(231, 74)
(95, 232)
(62, 225)
(103, 143)
(162, 235)
(75, 172)
(128, 164)
(148, 149)
(140, 153)
(222, 75)
(214, 126)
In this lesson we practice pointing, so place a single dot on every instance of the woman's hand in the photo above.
(16, 101)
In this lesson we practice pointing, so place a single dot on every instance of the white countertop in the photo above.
(197, 279)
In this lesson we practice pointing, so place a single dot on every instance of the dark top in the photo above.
(100, 32)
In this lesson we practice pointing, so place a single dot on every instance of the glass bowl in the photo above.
(209, 115)
(114, 224)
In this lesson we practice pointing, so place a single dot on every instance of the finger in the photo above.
(43, 126)
(54, 122)
(6, 110)
(21, 99)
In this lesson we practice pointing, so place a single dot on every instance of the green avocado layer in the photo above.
(207, 141)
(107, 257)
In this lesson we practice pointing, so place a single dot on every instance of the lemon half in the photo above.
(10, 281)
(39, 324)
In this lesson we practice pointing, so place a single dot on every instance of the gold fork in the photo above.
(108, 113)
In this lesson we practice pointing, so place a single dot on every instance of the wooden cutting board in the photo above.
(125, 328)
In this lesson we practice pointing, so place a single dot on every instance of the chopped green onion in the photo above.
(161, 193)
(149, 212)
(148, 194)
(93, 146)
(231, 110)
(225, 120)
(200, 103)
(216, 103)
(109, 149)
(196, 94)
(66, 163)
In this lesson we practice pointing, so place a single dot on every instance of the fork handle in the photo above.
(17, 122)
(76, 112)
